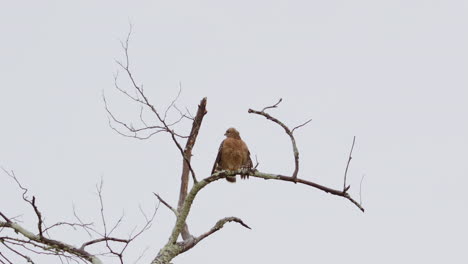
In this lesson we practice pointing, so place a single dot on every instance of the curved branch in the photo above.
(220, 224)
(293, 178)
(341, 193)
(287, 130)
(347, 164)
(104, 239)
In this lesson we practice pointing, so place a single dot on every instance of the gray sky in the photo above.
(392, 73)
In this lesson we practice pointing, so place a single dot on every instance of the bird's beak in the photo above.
(225, 134)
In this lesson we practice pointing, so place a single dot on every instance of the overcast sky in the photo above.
(391, 73)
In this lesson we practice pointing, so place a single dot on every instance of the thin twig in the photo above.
(166, 204)
(5, 258)
(301, 125)
(272, 106)
(117, 223)
(101, 203)
(360, 189)
(73, 225)
(82, 223)
(173, 101)
(28, 259)
(345, 188)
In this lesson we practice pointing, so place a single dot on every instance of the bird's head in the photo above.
(232, 133)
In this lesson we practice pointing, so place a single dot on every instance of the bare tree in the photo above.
(180, 239)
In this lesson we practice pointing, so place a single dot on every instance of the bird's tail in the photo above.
(231, 179)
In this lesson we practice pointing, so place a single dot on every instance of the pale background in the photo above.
(392, 73)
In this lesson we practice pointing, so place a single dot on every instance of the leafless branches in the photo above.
(286, 129)
(174, 247)
(42, 243)
(345, 188)
(343, 193)
(166, 204)
(272, 106)
(146, 127)
(31, 202)
(137, 94)
(39, 216)
(220, 224)
(360, 189)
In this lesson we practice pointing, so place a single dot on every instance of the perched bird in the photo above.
(233, 154)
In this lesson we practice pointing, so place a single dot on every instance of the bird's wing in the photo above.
(247, 163)
(218, 158)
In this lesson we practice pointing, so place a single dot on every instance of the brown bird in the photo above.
(233, 154)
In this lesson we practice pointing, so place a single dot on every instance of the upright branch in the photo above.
(345, 188)
(39, 216)
(196, 125)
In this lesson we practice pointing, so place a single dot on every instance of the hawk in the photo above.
(233, 154)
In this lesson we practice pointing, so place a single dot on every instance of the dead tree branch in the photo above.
(343, 193)
(166, 204)
(144, 130)
(142, 99)
(162, 125)
(345, 188)
(48, 246)
(174, 248)
(184, 181)
(286, 129)
(52, 245)
(215, 228)
(73, 225)
(39, 216)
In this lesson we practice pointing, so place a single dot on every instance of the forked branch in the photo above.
(145, 130)
(288, 131)
(343, 193)
(42, 243)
